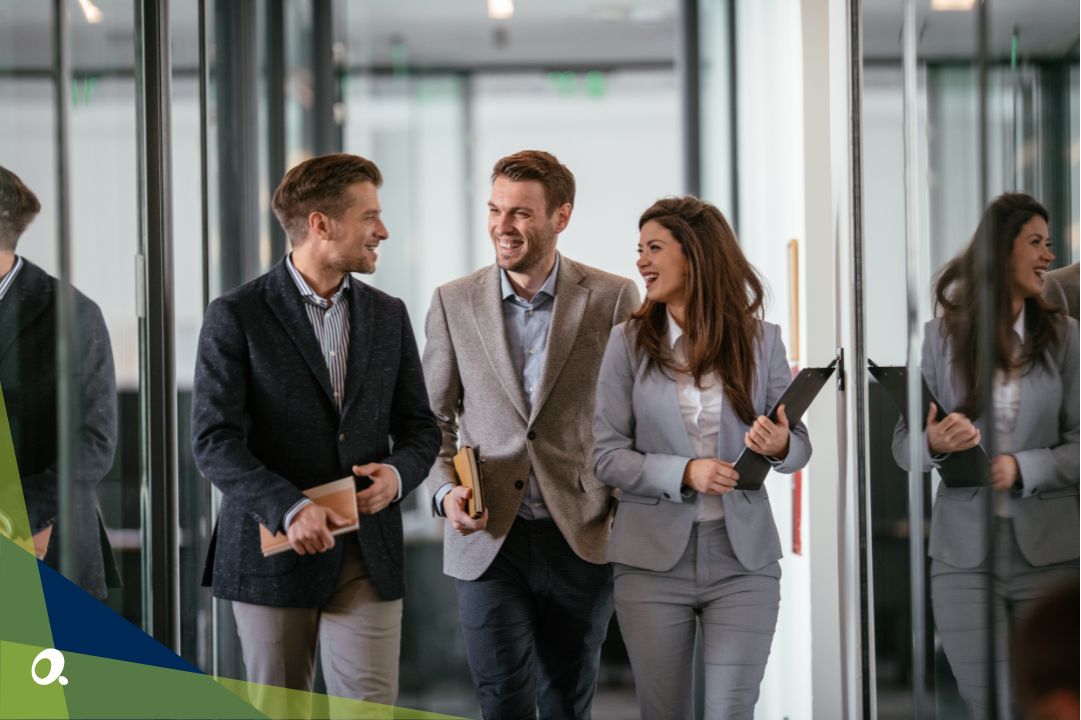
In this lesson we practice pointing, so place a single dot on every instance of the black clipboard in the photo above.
(968, 468)
(796, 398)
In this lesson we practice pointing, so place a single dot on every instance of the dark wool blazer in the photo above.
(28, 378)
(265, 427)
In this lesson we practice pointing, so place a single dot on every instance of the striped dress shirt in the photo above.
(7, 280)
(330, 321)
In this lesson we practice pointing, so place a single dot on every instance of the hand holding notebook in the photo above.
(339, 497)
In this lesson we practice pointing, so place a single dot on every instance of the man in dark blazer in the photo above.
(303, 376)
(28, 379)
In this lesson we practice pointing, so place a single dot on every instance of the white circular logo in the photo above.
(56, 666)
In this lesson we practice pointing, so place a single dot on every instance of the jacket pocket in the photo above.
(638, 499)
(1056, 494)
(958, 493)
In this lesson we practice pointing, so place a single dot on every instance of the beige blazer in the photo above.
(478, 400)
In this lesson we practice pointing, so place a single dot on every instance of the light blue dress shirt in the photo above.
(526, 324)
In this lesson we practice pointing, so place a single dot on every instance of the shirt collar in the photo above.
(306, 291)
(675, 332)
(1019, 324)
(8, 280)
(548, 288)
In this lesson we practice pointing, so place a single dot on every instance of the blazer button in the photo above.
(341, 438)
(531, 435)
(518, 484)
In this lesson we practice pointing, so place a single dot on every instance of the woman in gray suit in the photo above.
(683, 388)
(1034, 418)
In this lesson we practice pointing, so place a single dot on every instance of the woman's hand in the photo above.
(710, 476)
(953, 434)
(1004, 472)
(769, 438)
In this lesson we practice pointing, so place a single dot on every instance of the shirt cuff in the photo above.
(437, 499)
(292, 512)
(399, 476)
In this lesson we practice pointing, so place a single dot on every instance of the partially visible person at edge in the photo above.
(29, 377)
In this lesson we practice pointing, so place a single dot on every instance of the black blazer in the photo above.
(265, 426)
(28, 377)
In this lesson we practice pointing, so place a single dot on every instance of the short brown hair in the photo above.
(543, 167)
(18, 208)
(319, 185)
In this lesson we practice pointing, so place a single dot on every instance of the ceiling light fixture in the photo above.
(91, 11)
(952, 5)
(500, 9)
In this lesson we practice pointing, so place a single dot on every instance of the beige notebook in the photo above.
(467, 466)
(339, 495)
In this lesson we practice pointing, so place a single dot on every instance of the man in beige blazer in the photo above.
(511, 362)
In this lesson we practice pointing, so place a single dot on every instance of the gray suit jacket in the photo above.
(1045, 443)
(641, 446)
(478, 400)
(1061, 288)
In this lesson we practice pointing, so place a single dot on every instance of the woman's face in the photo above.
(662, 264)
(1030, 259)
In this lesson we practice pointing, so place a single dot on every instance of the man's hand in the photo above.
(1004, 472)
(309, 532)
(382, 491)
(710, 476)
(768, 438)
(454, 507)
(953, 434)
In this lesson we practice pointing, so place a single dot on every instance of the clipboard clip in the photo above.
(839, 361)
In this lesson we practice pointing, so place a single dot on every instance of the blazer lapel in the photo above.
(570, 305)
(285, 302)
(670, 415)
(361, 329)
(29, 296)
(488, 316)
(1036, 398)
(730, 440)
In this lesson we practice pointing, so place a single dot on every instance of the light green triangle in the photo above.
(23, 616)
(284, 704)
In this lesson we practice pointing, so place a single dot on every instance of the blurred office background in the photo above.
(156, 145)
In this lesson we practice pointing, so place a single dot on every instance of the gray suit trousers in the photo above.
(659, 613)
(959, 599)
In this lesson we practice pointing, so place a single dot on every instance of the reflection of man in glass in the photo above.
(28, 378)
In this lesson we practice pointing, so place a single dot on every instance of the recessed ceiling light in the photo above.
(91, 12)
(952, 5)
(500, 9)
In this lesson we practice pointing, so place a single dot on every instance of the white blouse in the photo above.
(701, 410)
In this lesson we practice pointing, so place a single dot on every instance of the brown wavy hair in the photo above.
(958, 289)
(724, 297)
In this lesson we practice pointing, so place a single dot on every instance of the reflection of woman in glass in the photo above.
(682, 390)
(1034, 417)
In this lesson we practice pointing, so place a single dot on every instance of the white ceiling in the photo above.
(551, 33)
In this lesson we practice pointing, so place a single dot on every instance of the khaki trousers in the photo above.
(357, 633)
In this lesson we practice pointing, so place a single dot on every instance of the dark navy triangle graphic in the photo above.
(83, 624)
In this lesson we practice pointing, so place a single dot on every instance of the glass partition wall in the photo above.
(961, 102)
